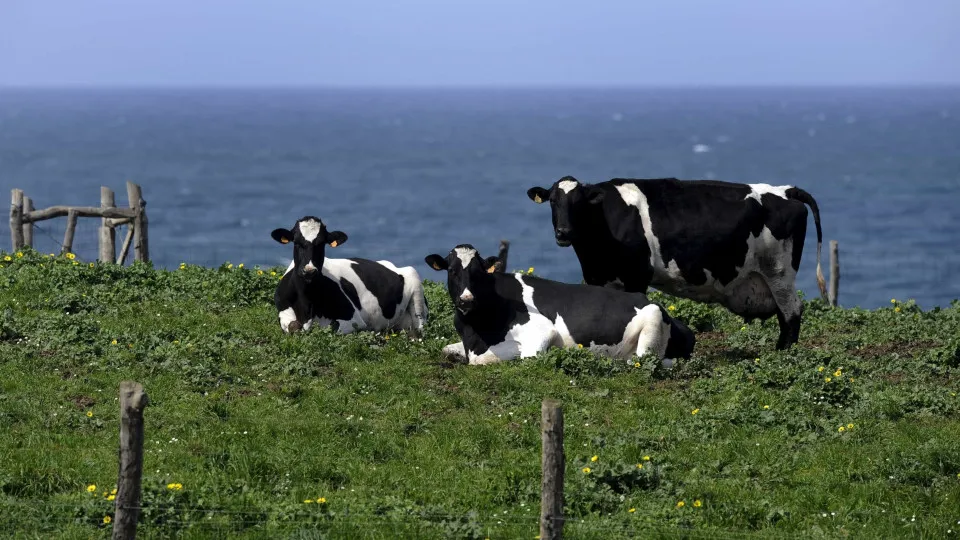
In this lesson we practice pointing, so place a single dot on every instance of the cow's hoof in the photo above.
(294, 326)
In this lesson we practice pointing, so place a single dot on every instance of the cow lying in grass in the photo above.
(502, 316)
(350, 294)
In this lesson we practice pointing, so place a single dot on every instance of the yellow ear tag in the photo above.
(284, 241)
(333, 244)
(492, 269)
(537, 199)
(435, 266)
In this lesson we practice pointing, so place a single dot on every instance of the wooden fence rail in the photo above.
(23, 216)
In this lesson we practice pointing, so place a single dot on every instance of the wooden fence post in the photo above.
(108, 238)
(140, 247)
(834, 290)
(132, 402)
(27, 225)
(16, 218)
(125, 248)
(68, 234)
(553, 463)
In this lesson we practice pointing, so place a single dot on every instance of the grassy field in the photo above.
(853, 433)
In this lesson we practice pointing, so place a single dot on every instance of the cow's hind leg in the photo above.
(651, 330)
(789, 311)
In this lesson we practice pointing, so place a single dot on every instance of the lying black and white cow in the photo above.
(738, 245)
(503, 316)
(352, 294)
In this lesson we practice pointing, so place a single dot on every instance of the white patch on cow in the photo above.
(465, 255)
(415, 315)
(632, 195)
(653, 333)
(309, 229)
(564, 332)
(466, 295)
(287, 316)
(759, 189)
(289, 268)
(527, 293)
(568, 185)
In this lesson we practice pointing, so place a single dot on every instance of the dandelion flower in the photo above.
(671, 308)
(175, 486)
(229, 266)
(113, 491)
(259, 272)
(743, 328)
(681, 504)
(75, 263)
(594, 459)
(240, 266)
(639, 465)
(71, 256)
(91, 265)
(827, 379)
(579, 345)
(893, 300)
(636, 364)
(695, 411)
(820, 369)
(765, 407)
(89, 414)
(8, 258)
(837, 373)
(841, 429)
(632, 510)
(530, 270)
(308, 501)
(19, 254)
(697, 503)
(111, 497)
(91, 488)
(106, 520)
(896, 309)
(321, 500)
(646, 458)
(114, 342)
(272, 273)
(586, 470)
(849, 426)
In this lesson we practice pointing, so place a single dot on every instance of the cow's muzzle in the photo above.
(308, 272)
(563, 237)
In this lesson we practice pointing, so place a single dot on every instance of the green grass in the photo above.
(252, 423)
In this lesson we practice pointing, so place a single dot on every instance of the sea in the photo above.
(410, 172)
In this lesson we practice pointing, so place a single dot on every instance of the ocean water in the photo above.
(406, 173)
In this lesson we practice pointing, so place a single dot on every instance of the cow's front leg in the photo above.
(455, 352)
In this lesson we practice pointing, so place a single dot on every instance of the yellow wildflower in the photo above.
(849, 426)
(579, 345)
(129, 345)
(639, 465)
(308, 501)
(19, 254)
(321, 500)
(229, 266)
(820, 369)
(106, 519)
(113, 491)
(695, 411)
(8, 258)
(75, 263)
(259, 272)
(697, 503)
(272, 273)
(632, 510)
(91, 265)
(896, 309)
(111, 497)
(51, 255)
(893, 300)
(70, 256)
(837, 373)
(841, 429)
(765, 407)
(594, 459)
(114, 342)
(681, 504)
(91, 488)
(636, 364)
(530, 270)
(646, 458)
(851, 379)
(176, 342)
(586, 470)
(89, 414)
(743, 328)
(176, 486)
(671, 308)
(240, 266)
(827, 379)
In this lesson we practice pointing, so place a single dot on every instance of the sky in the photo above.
(478, 42)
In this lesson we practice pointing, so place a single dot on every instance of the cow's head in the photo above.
(468, 275)
(568, 200)
(310, 238)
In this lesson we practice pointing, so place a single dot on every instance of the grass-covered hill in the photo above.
(855, 432)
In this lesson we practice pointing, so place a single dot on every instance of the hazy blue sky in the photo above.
(478, 42)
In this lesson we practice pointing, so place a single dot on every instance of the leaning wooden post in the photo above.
(27, 225)
(68, 234)
(504, 251)
(125, 248)
(834, 273)
(553, 463)
(140, 249)
(16, 218)
(108, 237)
(127, 510)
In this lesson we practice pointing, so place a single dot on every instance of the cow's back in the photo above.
(383, 283)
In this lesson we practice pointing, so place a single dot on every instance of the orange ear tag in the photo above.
(284, 241)
(333, 244)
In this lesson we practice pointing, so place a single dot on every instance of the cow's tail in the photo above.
(804, 197)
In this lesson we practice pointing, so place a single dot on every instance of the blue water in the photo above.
(406, 173)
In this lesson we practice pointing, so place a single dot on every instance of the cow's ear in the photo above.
(493, 264)
(282, 235)
(436, 262)
(538, 194)
(335, 238)
(595, 195)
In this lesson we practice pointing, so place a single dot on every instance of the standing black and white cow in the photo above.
(503, 316)
(738, 245)
(352, 294)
